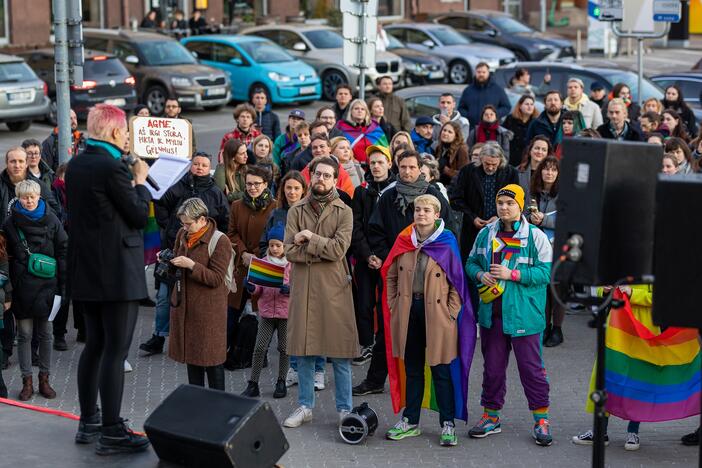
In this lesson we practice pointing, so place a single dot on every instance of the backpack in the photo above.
(229, 275)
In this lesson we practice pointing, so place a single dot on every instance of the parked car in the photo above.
(162, 67)
(420, 68)
(253, 62)
(588, 72)
(322, 48)
(502, 29)
(424, 100)
(458, 52)
(105, 79)
(23, 96)
(690, 84)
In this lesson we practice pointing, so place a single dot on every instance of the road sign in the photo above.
(667, 10)
(360, 32)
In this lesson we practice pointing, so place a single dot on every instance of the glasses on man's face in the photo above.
(33, 154)
(253, 184)
(323, 175)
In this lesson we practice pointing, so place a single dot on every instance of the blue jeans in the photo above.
(319, 363)
(342, 381)
(162, 320)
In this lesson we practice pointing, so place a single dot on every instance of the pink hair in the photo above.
(102, 118)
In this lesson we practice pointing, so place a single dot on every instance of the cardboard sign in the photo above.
(151, 136)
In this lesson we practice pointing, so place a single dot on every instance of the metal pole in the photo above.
(542, 24)
(505, 4)
(579, 46)
(362, 50)
(63, 99)
(639, 59)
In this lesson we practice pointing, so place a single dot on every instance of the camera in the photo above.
(164, 270)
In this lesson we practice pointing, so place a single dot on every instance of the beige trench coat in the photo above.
(321, 319)
(441, 307)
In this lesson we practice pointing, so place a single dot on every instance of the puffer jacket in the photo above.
(271, 302)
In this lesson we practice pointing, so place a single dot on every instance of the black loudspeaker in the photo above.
(196, 426)
(677, 258)
(606, 195)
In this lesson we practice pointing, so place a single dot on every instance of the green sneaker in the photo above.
(403, 429)
(448, 435)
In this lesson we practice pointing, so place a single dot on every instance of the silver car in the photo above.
(23, 96)
(458, 52)
(322, 48)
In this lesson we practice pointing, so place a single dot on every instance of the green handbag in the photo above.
(39, 265)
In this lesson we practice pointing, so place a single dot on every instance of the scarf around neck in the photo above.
(319, 202)
(259, 203)
(407, 192)
(487, 132)
(36, 214)
(575, 106)
(196, 236)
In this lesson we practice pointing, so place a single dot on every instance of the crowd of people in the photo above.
(400, 242)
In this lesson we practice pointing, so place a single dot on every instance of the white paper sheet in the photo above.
(55, 308)
(166, 171)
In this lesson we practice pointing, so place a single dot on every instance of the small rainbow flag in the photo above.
(152, 237)
(263, 273)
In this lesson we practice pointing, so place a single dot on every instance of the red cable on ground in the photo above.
(40, 409)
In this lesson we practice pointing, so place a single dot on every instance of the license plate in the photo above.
(436, 74)
(116, 102)
(20, 97)
(308, 90)
(215, 91)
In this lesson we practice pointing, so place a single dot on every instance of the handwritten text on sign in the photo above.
(151, 136)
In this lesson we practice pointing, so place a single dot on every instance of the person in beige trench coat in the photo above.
(321, 319)
(198, 335)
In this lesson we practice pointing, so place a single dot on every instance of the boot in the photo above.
(27, 388)
(89, 428)
(60, 343)
(153, 346)
(280, 389)
(252, 390)
(45, 389)
(118, 438)
(555, 339)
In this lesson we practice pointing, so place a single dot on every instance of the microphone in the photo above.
(131, 160)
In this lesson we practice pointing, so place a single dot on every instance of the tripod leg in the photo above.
(599, 395)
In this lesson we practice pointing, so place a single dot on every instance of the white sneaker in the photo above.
(291, 378)
(342, 414)
(632, 441)
(319, 381)
(301, 415)
(127, 366)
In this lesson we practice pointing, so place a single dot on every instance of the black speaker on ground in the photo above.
(606, 195)
(196, 426)
(677, 290)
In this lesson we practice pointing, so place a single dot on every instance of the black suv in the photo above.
(105, 80)
(162, 68)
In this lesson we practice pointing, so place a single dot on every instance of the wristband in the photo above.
(515, 275)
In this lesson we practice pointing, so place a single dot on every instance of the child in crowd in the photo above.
(302, 132)
(273, 310)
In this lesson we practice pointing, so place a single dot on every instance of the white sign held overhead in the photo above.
(151, 136)
(667, 10)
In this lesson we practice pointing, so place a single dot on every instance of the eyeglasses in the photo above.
(33, 153)
(254, 184)
(323, 175)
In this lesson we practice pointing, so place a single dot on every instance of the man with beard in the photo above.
(393, 213)
(550, 122)
(49, 147)
(367, 272)
(320, 314)
(396, 112)
(482, 92)
(618, 127)
(172, 110)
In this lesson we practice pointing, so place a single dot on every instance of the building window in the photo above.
(91, 13)
(390, 8)
(4, 25)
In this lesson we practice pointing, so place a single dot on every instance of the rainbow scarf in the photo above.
(363, 137)
(650, 377)
(443, 249)
(152, 237)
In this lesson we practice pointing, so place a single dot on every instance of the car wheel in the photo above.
(330, 80)
(459, 72)
(265, 90)
(19, 126)
(155, 99)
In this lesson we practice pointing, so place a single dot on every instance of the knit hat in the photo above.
(277, 232)
(379, 149)
(423, 120)
(513, 191)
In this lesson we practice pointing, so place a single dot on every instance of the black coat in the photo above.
(686, 115)
(301, 159)
(7, 194)
(387, 222)
(633, 134)
(518, 143)
(468, 197)
(105, 240)
(190, 186)
(365, 200)
(34, 296)
(49, 148)
(268, 123)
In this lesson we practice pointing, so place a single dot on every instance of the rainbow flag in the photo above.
(263, 273)
(442, 247)
(650, 377)
(152, 237)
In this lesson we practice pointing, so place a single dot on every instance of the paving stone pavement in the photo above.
(317, 444)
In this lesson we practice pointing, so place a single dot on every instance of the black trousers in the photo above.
(215, 376)
(367, 283)
(61, 320)
(378, 369)
(415, 353)
(109, 329)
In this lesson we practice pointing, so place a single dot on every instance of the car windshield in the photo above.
(448, 36)
(104, 67)
(650, 90)
(15, 72)
(510, 26)
(325, 39)
(394, 43)
(265, 52)
(160, 53)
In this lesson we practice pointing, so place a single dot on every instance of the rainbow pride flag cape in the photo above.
(650, 377)
(152, 237)
(263, 273)
(443, 249)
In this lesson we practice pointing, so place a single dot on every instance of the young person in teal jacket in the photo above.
(511, 264)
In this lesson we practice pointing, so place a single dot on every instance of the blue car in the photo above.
(253, 62)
